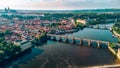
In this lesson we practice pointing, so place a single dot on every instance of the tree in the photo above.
(1, 40)
(118, 40)
(8, 32)
(4, 43)
(15, 49)
(116, 27)
(79, 25)
(113, 45)
(2, 34)
(1, 55)
(41, 39)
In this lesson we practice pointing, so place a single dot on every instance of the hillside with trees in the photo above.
(116, 27)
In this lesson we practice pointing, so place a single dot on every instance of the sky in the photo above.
(59, 4)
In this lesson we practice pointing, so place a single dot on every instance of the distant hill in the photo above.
(99, 10)
(70, 11)
(75, 11)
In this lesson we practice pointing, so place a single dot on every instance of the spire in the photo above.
(8, 8)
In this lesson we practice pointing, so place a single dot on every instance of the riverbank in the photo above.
(116, 34)
(71, 31)
(118, 54)
(66, 31)
(7, 62)
(115, 52)
(25, 47)
(112, 51)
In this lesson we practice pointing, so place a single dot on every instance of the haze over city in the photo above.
(59, 4)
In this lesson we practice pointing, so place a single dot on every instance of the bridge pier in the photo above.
(81, 41)
(89, 42)
(105, 27)
(98, 44)
(108, 44)
(91, 26)
(60, 38)
(66, 39)
(54, 38)
(98, 27)
(73, 40)
(48, 37)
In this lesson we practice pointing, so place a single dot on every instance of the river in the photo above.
(64, 55)
(95, 34)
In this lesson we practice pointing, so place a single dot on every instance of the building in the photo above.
(81, 21)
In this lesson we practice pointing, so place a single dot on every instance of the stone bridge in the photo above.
(99, 27)
(74, 39)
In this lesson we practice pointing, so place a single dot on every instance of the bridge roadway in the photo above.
(54, 37)
(99, 27)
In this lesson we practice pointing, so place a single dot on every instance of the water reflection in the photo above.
(21, 58)
(61, 55)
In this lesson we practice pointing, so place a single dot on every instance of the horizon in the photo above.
(59, 4)
(62, 9)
